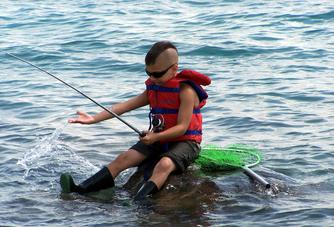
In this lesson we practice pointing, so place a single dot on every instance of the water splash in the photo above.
(50, 157)
(43, 147)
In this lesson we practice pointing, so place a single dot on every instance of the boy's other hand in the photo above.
(149, 138)
(82, 118)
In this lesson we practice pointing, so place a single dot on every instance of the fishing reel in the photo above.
(157, 122)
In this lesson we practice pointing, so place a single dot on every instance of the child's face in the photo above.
(164, 68)
(159, 74)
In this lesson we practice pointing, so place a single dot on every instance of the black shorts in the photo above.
(182, 153)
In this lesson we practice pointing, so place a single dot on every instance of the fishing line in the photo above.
(86, 96)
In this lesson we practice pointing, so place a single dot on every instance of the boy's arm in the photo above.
(123, 107)
(188, 100)
(119, 108)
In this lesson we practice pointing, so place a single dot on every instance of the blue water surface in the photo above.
(272, 67)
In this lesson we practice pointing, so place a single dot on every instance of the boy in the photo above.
(175, 100)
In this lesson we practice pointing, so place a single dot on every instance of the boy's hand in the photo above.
(83, 118)
(149, 138)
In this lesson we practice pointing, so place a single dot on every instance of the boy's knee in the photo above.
(166, 165)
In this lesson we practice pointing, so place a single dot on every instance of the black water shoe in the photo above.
(147, 189)
(100, 180)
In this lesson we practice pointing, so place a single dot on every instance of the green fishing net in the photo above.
(213, 158)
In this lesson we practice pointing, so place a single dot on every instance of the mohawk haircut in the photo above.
(156, 50)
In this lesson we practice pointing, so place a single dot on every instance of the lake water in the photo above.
(272, 66)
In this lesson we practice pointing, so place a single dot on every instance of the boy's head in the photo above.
(162, 61)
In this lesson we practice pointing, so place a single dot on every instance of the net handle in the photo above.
(251, 173)
(256, 177)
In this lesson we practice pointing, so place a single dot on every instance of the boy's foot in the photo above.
(147, 189)
(67, 183)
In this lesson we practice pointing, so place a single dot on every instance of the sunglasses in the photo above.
(158, 74)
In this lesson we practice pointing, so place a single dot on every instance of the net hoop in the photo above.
(233, 156)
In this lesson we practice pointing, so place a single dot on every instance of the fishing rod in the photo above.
(81, 93)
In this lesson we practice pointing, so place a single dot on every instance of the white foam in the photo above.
(50, 157)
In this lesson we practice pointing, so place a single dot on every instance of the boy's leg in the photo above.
(159, 176)
(162, 170)
(178, 158)
(125, 160)
(105, 177)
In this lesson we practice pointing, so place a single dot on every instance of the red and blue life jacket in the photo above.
(165, 100)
